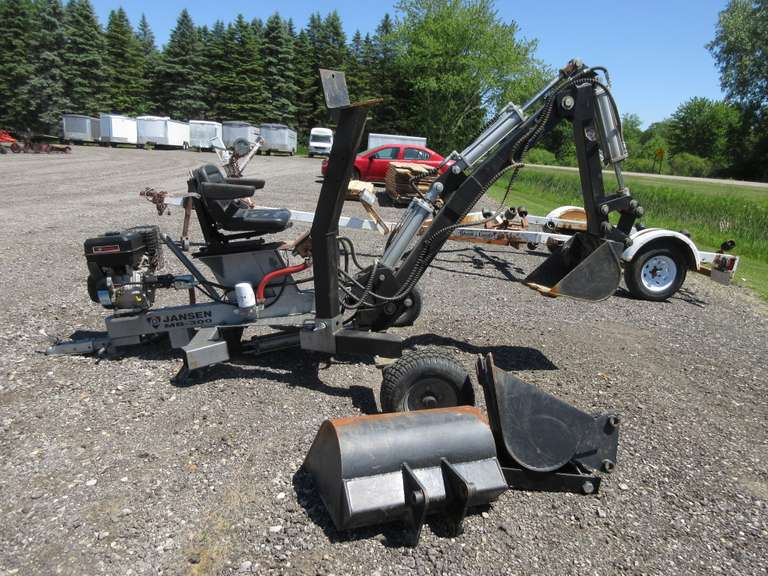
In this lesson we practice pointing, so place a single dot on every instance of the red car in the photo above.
(372, 164)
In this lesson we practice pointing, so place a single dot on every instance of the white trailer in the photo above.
(376, 140)
(117, 129)
(655, 262)
(80, 128)
(204, 133)
(161, 131)
(278, 138)
(320, 141)
(235, 130)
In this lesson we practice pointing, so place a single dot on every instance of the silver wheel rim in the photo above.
(658, 273)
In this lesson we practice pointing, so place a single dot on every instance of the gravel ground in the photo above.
(107, 468)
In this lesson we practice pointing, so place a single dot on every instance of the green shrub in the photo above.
(541, 156)
(685, 164)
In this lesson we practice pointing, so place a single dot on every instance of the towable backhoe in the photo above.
(348, 313)
(402, 465)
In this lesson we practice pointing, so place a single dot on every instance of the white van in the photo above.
(320, 142)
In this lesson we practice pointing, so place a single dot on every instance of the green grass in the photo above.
(711, 212)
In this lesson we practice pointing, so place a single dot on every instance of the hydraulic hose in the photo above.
(277, 274)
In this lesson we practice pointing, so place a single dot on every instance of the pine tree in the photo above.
(47, 99)
(150, 59)
(242, 83)
(15, 66)
(355, 72)
(388, 116)
(84, 68)
(304, 70)
(215, 68)
(126, 91)
(277, 57)
(178, 85)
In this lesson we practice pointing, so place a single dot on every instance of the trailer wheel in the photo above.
(409, 316)
(425, 379)
(656, 273)
(3, 150)
(15, 148)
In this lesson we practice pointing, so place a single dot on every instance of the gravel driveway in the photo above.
(107, 468)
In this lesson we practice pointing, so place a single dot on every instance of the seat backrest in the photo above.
(218, 210)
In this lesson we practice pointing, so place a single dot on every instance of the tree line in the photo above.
(441, 68)
(59, 59)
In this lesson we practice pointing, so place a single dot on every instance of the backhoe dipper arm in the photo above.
(577, 95)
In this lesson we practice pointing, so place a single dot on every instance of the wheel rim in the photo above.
(431, 393)
(658, 273)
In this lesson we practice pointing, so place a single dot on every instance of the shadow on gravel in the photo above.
(393, 535)
(284, 368)
(510, 358)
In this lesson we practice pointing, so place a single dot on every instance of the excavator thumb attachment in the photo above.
(586, 267)
(403, 466)
(544, 443)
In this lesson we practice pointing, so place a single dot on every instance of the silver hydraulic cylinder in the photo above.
(509, 118)
(614, 148)
(418, 211)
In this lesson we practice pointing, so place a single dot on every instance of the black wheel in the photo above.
(311, 155)
(3, 150)
(656, 273)
(355, 174)
(425, 379)
(233, 336)
(413, 302)
(269, 152)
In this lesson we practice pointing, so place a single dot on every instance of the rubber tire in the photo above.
(355, 174)
(311, 155)
(3, 150)
(633, 270)
(408, 370)
(15, 148)
(410, 315)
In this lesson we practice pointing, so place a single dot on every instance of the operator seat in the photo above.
(220, 207)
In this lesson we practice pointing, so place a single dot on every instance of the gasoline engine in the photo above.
(122, 266)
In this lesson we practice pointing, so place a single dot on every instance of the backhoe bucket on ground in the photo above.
(403, 466)
(542, 442)
(586, 267)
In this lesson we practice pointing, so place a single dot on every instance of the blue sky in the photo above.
(654, 50)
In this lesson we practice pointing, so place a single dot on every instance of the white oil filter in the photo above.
(245, 296)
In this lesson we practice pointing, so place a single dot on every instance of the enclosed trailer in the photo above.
(80, 128)
(117, 129)
(278, 138)
(375, 140)
(235, 130)
(203, 134)
(162, 131)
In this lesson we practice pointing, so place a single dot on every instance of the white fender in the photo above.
(568, 213)
(647, 235)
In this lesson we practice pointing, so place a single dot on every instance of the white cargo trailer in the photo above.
(376, 140)
(80, 128)
(278, 138)
(204, 133)
(235, 130)
(162, 131)
(117, 129)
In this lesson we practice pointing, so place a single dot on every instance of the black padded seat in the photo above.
(259, 219)
(221, 199)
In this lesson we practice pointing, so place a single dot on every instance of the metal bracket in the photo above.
(334, 88)
(417, 502)
(458, 494)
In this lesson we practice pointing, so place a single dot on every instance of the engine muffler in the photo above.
(543, 443)
(586, 268)
(402, 466)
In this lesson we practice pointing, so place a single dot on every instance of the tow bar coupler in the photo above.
(402, 466)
